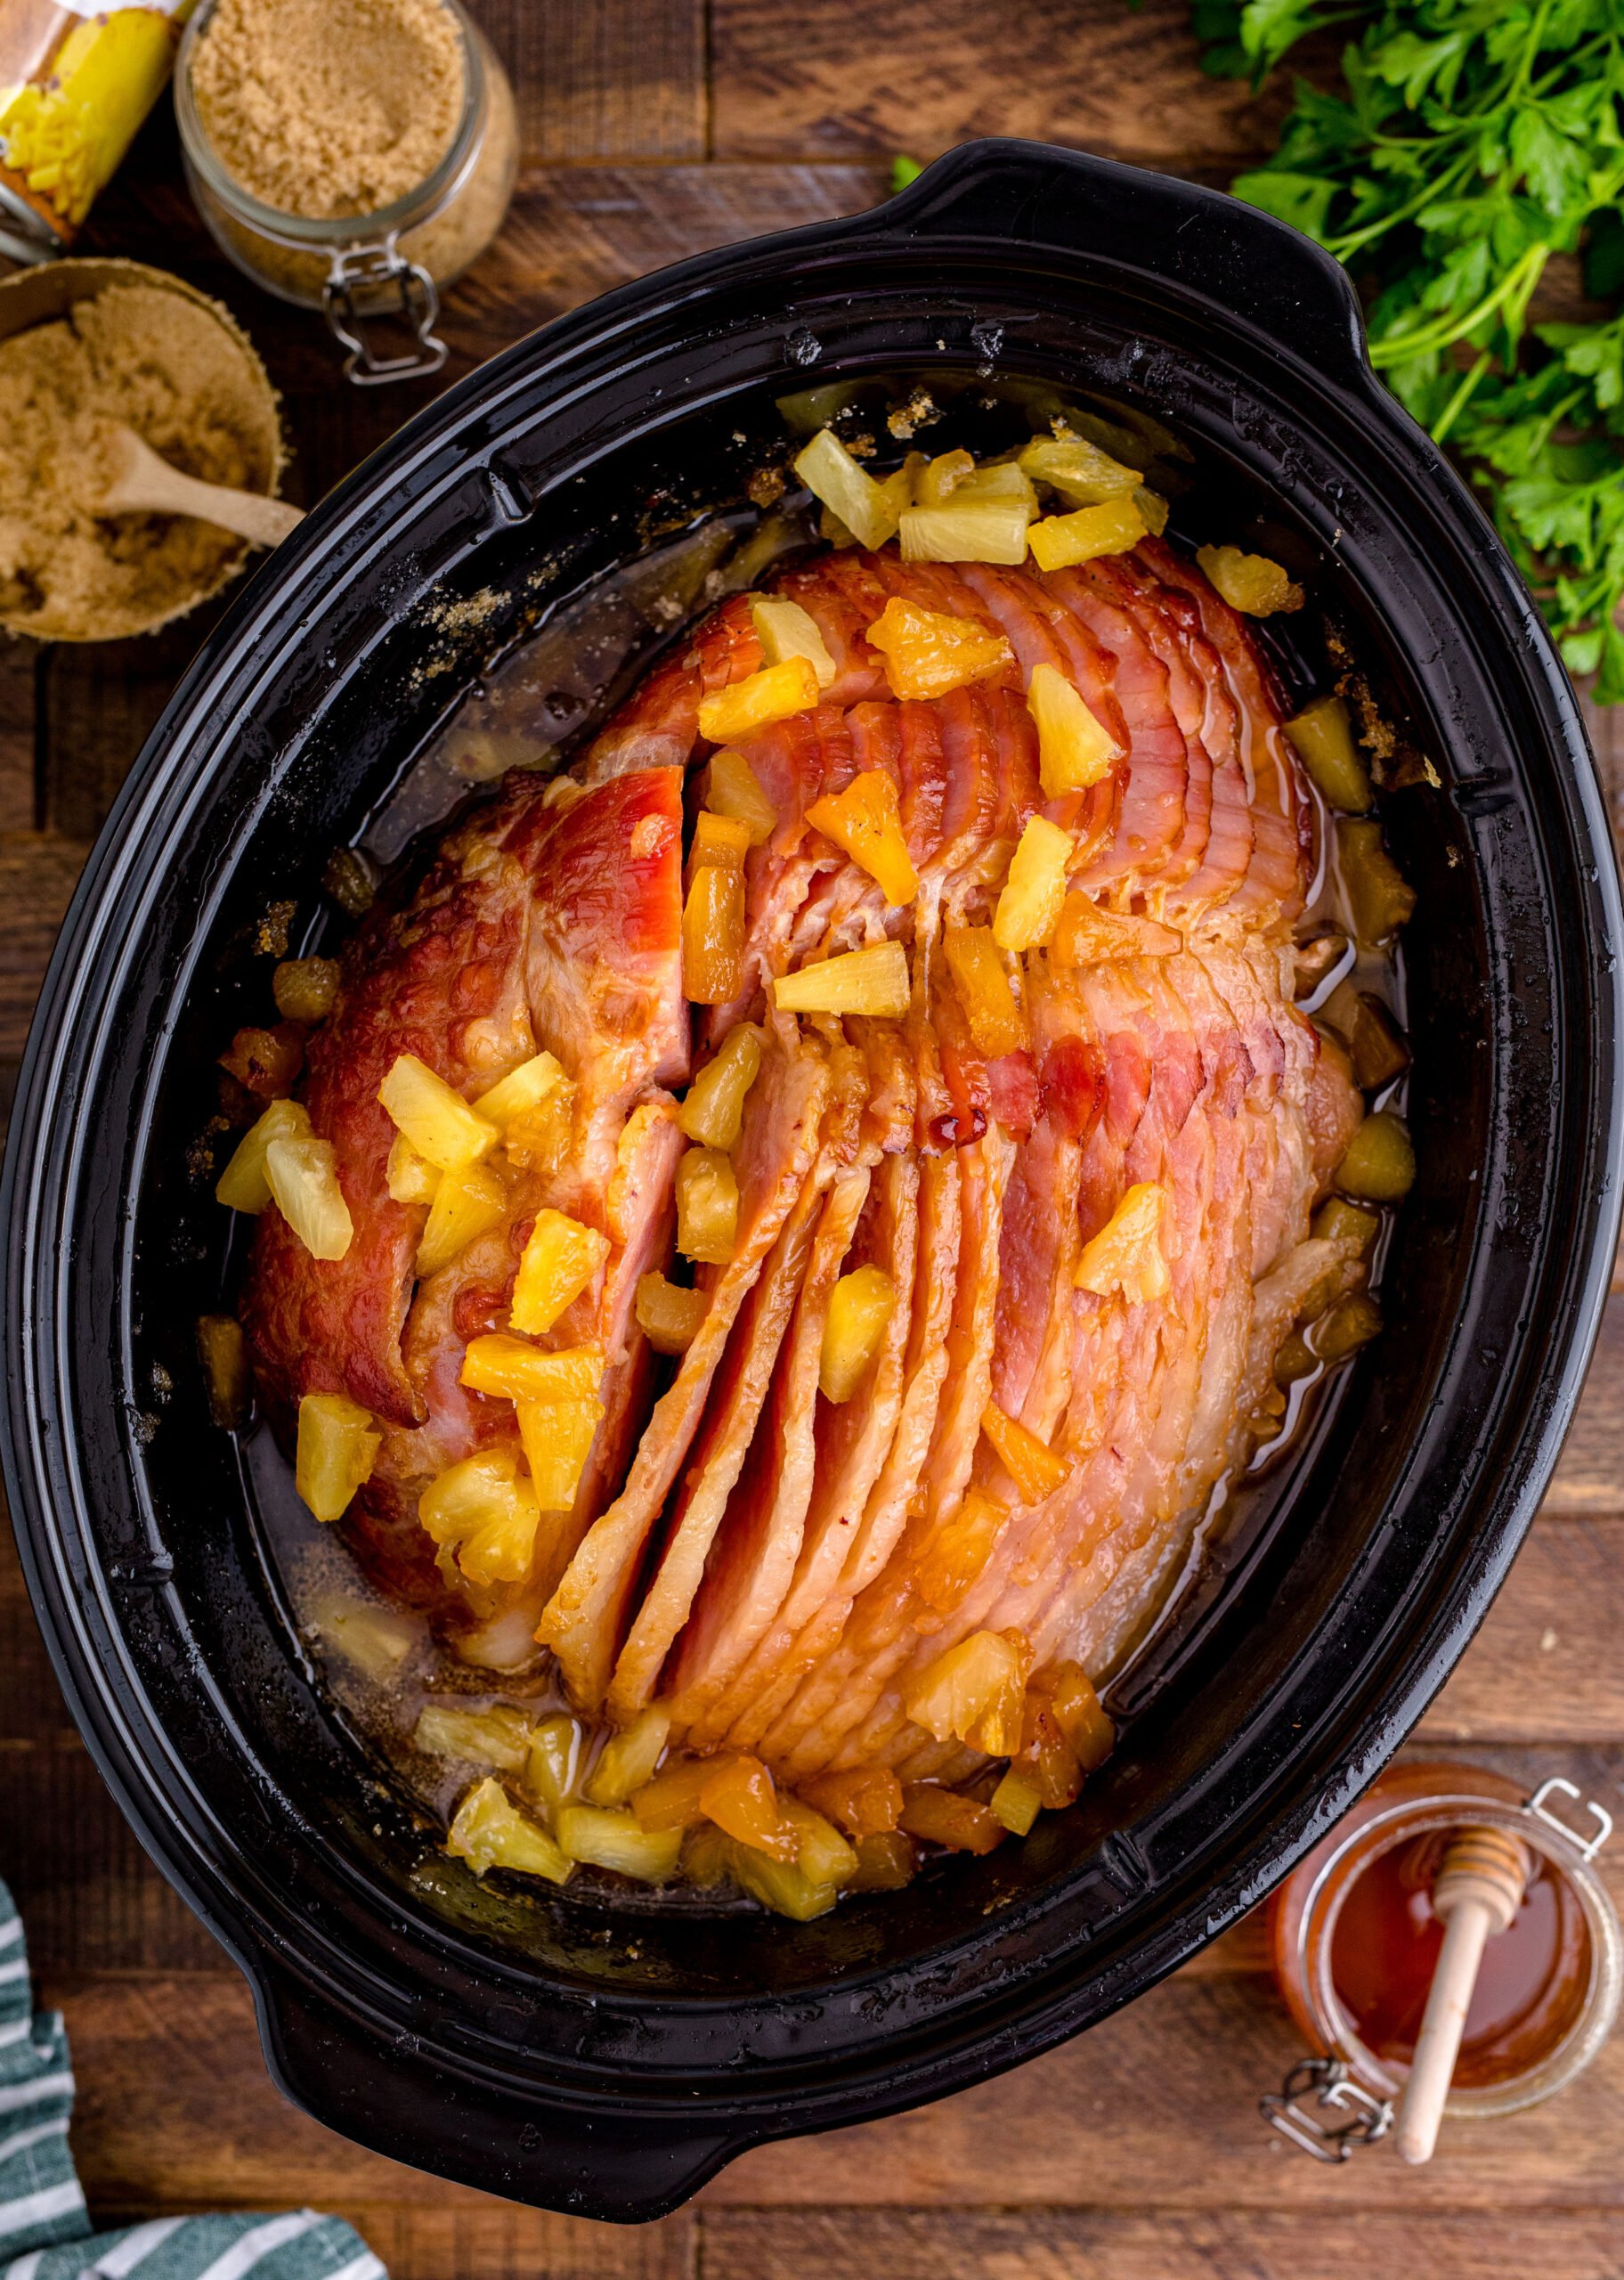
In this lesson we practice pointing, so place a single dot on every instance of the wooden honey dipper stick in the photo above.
(1479, 1889)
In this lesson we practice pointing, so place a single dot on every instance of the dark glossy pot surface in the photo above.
(502, 2039)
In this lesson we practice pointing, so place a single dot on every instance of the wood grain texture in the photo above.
(604, 79)
(38, 870)
(1123, 82)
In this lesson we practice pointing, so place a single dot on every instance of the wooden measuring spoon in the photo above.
(1479, 1889)
(141, 482)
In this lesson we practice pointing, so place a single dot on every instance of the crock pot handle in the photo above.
(390, 2094)
(1244, 261)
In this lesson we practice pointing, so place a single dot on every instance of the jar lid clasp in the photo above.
(1535, 1809)
(389, 287)
(1366, 2116)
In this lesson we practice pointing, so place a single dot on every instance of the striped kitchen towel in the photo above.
(44, 2227)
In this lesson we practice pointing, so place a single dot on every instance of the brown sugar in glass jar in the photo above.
(300, 198)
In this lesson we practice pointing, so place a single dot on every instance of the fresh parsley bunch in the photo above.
(1475, 139)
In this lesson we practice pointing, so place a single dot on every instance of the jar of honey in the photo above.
(1355, 1943)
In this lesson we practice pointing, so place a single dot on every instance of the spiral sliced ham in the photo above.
(760, 1560)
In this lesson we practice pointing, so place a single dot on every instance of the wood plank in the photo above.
(603, 79)
(1126, 83)
(19, 669)
(1214, 2244)
(38, 870)
(1589, 1475)
(1545, 1665)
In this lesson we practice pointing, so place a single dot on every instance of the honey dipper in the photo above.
(1479, 1889)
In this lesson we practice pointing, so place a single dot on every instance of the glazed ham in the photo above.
(783, 1571)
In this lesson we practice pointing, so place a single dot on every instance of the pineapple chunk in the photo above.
(243, 1184)
(707, 1206)
(618, 1841)
(713, 936)
(552, 1760)
(866, 820)
(1059, 540)
(713, 1112)
(668, 1315)
(224, 1353)
(780, 1885)
(1323, 735)
(865, 1800)
(784, 629)
(486, 1513)
(1016, 1800)
(1074, 748)
(438, 1122)
(942, 1817)
(522, 1089)
(468, 1203)
(1068, 1692)
(306, 989)
(721, 840)
(1086, 933)
(999, 479)
(1031, 1464)
(336, 1452)
(304, 1180)
(1153, 511)
(837, 482)
(886, 1861)
(996, 1022)
(860, 1306)
(672, 1800)
(490, 1832)
(410, 1178)
(774, 693)
(628, 1760)
(979, 530)
(975, 1693)
(740, 1798)
(1029, 906)
(707, 1855)
(378, 1642)
(872, 980)
(1126, 1254)
(934, 482)
(958, 1552)
(733, 790)
(558, 1437)
(822, 1855)
(1080, 471)
(559, 1261)
(1249, 582)
(498, 1737)
(927, 653)
(516, 1371)
(539, 1139)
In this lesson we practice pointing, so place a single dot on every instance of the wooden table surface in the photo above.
(653, 129)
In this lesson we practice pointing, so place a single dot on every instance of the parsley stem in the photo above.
(1398, 346)
(1457, 402)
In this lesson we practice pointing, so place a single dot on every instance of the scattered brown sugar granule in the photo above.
(322, 108)
(164, 366)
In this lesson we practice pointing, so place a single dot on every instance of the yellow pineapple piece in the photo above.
(522, 1089)
(1074, 748)
(672, 1800)
(1249, 582)
(774, 693)
(713, 928)
(486, 1513)
(498, 1737)
(1029, 905)
(410, 1178)
(668, 1315)
(975, 529)
(619, 1841)
(784, 629)
(935, 481)
(996, 1022)
(1086, 935)
(628, 1759)
(779, 1885)
(848, 491)
(539, 1139)
(822, 1855)
(559, 1261)
(720, 840)
(306, 989)
(438, 1122)
(733, 790)
(974, 1693)
(741, 1798)
(336, 1452)
(1153, 511)
(552, 1760)
(866, 820)
(713, 1111)
(1126, 1254)
(999, 479)
(1058, 541)
(1031, 1463)
(927, 653)
(490, 1832)
(872, 980)
(1080, 471)
(468, 1202)
(302, 1176)
(243, 1184)
(514, 1369)
(558, 1437)
(707, 1206)
(957, 1553)
(860, 1306)
(1016, 1800)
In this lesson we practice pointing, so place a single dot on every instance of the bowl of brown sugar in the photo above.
(353, 155)
(87, 348)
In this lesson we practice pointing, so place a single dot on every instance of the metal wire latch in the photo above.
(1599, 1814)
(1365, 2118)
(370, 283)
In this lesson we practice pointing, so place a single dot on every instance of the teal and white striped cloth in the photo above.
(45, 2226)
